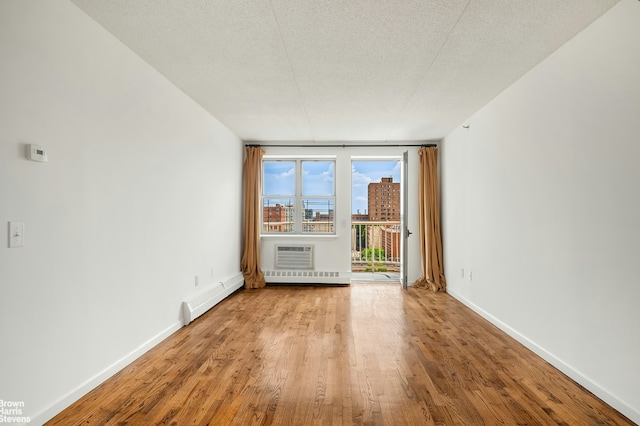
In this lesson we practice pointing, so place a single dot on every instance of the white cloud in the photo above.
(359, 180)
(287, 173)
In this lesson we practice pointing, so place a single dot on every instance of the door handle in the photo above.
(408, 232)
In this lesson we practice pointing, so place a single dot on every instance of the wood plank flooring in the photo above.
(368, 354)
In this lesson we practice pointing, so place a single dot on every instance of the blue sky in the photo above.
(317, 178)
(365, 172)
(279, 177)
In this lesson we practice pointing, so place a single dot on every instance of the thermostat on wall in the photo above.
(37, 153)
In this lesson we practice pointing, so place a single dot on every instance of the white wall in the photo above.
(541, 202)
(141, 193)
(333, 253)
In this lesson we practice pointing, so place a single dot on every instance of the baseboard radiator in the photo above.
(201, 302)
(307, 277)
(294, 264)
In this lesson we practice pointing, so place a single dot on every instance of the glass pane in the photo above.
(277, 214)
(365, 173)
(317, 215)
(279, 178)
(318, 178)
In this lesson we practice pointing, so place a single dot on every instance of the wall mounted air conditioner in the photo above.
(294, 256)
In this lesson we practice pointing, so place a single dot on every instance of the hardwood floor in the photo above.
(365, 354)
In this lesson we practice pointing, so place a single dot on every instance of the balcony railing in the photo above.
(375, 246)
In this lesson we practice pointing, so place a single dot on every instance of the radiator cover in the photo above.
(307, 277)
(200, 303)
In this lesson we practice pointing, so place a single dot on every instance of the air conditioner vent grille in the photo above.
(293, 256)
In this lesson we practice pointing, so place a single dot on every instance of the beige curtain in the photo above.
(250, 263)
(429, 216)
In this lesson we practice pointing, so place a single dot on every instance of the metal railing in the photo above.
(375, 246)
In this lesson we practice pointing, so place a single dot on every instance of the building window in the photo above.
(298, 196)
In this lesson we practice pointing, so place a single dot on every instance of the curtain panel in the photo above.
(429, 220)
(250, 263)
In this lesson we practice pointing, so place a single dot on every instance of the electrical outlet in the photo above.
(462, 273)
(197, 281)
(212, 272)
(470, 275)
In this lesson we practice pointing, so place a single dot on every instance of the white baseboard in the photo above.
(602, 393)
(64, 402)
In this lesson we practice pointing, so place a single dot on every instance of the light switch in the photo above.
(16, 234)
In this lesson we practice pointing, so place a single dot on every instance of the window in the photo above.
(298, 196)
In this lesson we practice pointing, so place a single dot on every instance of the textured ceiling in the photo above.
(343, 70)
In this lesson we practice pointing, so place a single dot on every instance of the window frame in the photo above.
(298, 197)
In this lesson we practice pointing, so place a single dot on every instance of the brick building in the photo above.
(277, 218)
(384, 200)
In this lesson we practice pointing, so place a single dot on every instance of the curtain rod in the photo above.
(422, 145)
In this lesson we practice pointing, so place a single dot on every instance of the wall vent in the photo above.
(294, 256)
